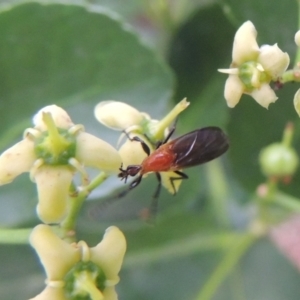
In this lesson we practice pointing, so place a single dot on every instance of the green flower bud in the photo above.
(278, 160)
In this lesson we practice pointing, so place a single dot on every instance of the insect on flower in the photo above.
(192, 149)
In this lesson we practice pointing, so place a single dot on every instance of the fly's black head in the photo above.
(131, 170)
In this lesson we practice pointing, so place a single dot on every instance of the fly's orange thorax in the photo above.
(161, 160)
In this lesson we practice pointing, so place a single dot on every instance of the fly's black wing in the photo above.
(199, 146)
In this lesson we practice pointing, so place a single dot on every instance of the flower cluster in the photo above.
(121, 116)
(52, 151)
(76, 271)
(253, 68)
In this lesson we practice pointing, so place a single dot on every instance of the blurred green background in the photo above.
(150, 54)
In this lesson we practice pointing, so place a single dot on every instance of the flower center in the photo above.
(55, 146)
(252, 74)
(85, 281)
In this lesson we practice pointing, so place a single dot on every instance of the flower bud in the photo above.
(96, 153)
(297, 102)
(278, 160)
(297, 38)
(132, 152)
(118, 115)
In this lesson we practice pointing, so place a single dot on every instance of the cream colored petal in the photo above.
(297, 102)
(96, 153)
(53, 184)
(232, 71)
(51, 293)
(110, 294)
(264, 96)
(166, 181)
(132, 153)
(117, 115)
(245, 47)
(233, 90)
(59, 115)
(16, 160)
(109, 253)
(56, 255)
(273, 60)
(297, 38)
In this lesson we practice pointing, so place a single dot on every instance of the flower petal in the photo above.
(109, 254)
(59, 115)
(245, 47)
(56, 255)
(297, 38)
(166, 182)
(16, 160)
(51, 293)
(109, 293)
(233, 90)
(297, 102)
(132, 152)
(94, 152)
(264, 95)
(53, 184)
(273, 60)
(117, 115)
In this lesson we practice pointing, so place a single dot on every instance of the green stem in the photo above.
(181, 248)
(291, 75)
(218, 191)
(160, 127)
(288, 202)
(76, 203)
(14, 236)
(239, 247)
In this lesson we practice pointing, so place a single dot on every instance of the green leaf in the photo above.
(73, 56)
(68, 54)
(269, 18)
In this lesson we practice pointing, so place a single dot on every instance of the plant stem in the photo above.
(288, 202)
(76, 203)
(14, 236)
(218, 191)
(239, 247)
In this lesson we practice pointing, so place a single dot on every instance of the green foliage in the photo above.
(76, 55)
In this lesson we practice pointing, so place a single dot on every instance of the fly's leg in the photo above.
(181, 177)
(137, 139)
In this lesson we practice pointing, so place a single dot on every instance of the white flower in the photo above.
(75, 269)
(121, 116)
(52, 151)
(253, 68)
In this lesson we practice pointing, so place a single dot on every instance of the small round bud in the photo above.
(278, 160)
